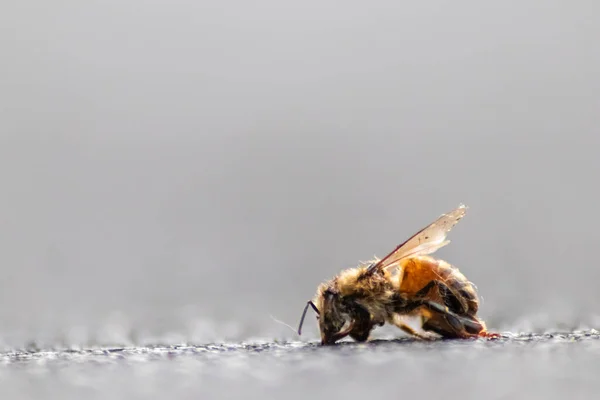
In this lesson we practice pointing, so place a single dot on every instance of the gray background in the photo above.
(181, 171)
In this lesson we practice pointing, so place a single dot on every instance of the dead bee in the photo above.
(407, 282)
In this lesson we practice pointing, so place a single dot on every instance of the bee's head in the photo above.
(332, 317)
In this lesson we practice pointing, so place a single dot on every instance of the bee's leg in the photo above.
(362, 323)
(428, 310)
(471, 325)
(412, 305)
(468, 322)
(410, 330)
(361, 335)
(450, 298)
(443, 326)
(448, 324)
(340, 335)
(362, 329)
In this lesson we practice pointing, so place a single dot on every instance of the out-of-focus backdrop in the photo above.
(182, 171)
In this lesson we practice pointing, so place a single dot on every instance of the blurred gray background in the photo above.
(183, 171)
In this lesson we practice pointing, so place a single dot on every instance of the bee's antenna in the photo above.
(308, 303)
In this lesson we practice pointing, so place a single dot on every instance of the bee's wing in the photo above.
(426, 241)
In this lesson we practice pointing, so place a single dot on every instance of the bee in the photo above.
(406, 282)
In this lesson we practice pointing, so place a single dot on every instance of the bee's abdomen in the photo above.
(420, 271)
(464, 297)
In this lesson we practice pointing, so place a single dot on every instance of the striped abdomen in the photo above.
(418, 272)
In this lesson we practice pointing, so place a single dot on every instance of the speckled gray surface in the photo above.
(524, 366)
(180, 171)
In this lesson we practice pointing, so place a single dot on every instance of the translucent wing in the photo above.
(426, 241)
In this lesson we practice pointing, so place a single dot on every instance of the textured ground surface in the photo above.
(550, 366)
